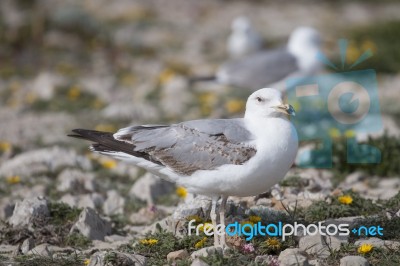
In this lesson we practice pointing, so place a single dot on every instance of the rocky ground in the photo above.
(104, 65)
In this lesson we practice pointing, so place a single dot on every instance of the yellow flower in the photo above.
(165, 76)
(196, 218)
(353, 53)
(149, 242)
(254, 219)
(128, 80)
(109, 163)
(273, 243)
(334, 133)
(201, 243)
(86, 261)
(207, 97)
(97, 104)
(207, 100)
(181, 192)
(369, 45)
(350, 134)
(105, 127)
(365, 248)
(73, 93)
(5, 146)
(345, 199)
(13, 179)
(30, 97)
(206, 226)
(15, 86)
(235, 106)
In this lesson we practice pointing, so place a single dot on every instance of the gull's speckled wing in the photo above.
(191, 146)
(258, 70)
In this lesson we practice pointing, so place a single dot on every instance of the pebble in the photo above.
(91, 225)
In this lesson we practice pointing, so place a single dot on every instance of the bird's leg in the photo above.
(213, 216)
(222, 219)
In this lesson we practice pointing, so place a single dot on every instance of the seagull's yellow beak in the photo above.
(286, 109)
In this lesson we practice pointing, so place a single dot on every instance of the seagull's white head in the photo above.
(304, 43)
(266, 103)
(241, 25)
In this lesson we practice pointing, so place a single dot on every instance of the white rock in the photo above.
(351, 221)
(41, 250)
(27, 245)
(376, 242)
(292, 257)
(177, 255)
(44, 85)
(115, 238)
(91, 225)
(175, 97)
(30, 192)
(28, 210)
(319, 245)
(393, 182)
(42, 161)
(205, 252)
(98, 259)
(93, 200)
(198, 206)
(114, 203)
(353, 261)
(75, 180)
(149, 186)
(382, 193)
(125, 169)
(315, 262)
(7, 249)
(198, 262)
(266, 260)
(355, 177)
(392, 244)
(128, 110)
(168, 224)
(6, 208)
(16, 132)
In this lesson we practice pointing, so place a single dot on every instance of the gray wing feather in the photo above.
(194, 145)
(258, 70)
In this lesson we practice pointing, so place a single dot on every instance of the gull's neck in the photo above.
(306, 56)
(259, 125)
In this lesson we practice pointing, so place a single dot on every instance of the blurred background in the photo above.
(108, 64)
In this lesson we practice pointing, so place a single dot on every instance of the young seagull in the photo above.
(212, 157)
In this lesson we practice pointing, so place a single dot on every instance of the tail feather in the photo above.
(105, 142)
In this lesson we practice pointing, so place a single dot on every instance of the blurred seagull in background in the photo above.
(214, 157)
(266, 68)
(244, 40)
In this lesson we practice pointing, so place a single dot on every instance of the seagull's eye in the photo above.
(259, 99)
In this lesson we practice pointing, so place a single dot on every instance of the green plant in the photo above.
(333, 208)
(77, 240)
(294, 181)
(384, 37)
(61, 213)
(387, 145)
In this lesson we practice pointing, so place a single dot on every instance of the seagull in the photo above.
(271, 67)
(244, 40)
(212, 157)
